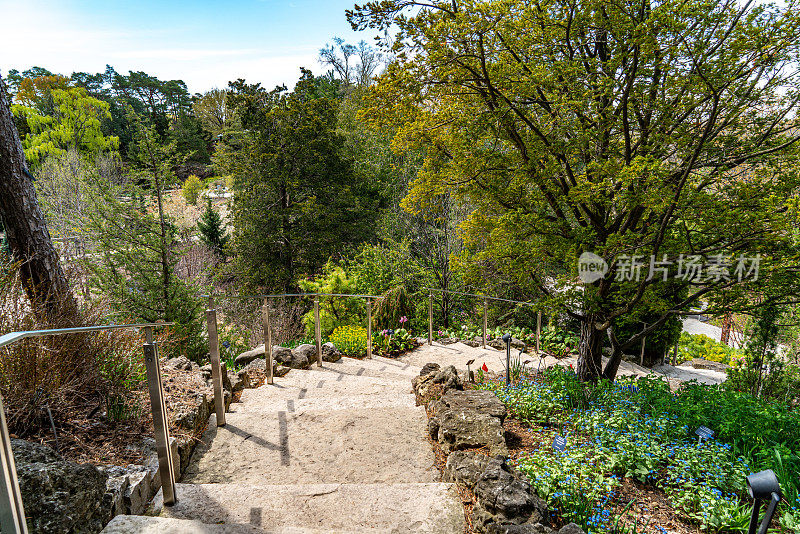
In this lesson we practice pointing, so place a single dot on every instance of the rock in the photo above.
(195, 416)
(464, 467)
(307, 351)
(448, 378)
(429, 368)
(181, 363)
(247, 357)
(571, 528)
(206, 371)
(472, 399)
(467, 429)
(497, 343)
(261, 365)
(239, 381)
(468, 419)
(330, 353)
(471, 343)
(424, 385)
(504, 497)
(518, 344)
(59, 496)
(151, 455)
(447, 340)
(137, 495)
(113, 499)
(527, 528)
(290, 358)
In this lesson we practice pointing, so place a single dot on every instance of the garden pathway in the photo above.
(341, 448)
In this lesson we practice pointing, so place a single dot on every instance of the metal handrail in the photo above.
(213, 335)
(291, 295)
(12, 513)
(13, 337)
(479, 296)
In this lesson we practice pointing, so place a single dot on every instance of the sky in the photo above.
(204, 43)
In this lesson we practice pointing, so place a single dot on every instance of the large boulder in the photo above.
(247, 357)
(526, 528)
(307, 351)
(261, 365)
(468, 420)
(480, 401)
(429, 367)
(504, 497)
(435, 380)
(330, 353)
(465, 468)
(58, 495)
(290, 358)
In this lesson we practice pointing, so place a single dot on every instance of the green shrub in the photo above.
(191, 189)
(351, 340)
(693, 346)
(333, 311)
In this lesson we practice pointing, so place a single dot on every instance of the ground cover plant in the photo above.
(642, 432)
(693, 346)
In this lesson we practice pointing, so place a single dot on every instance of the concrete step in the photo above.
(137, 524)
(359, 445)
(325, 383)
(432, 508)
(378, 367)
(266, 404)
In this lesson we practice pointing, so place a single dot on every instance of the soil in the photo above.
(87, 435)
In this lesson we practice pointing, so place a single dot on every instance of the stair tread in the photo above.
(425, 508)
(360, 445)
(130, 524)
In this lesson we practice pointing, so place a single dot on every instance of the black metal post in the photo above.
(507, 339)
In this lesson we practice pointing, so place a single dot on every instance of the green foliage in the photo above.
(135, 260)
(392, 342)
(700, 346)
(74, 122)
(333, 311)
(640, 429)
(351, 340)
(212, 231)
(562, 143)
(191, 189)
(296, 199)
(395, 304)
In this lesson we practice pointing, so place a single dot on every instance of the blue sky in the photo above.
(204, 43)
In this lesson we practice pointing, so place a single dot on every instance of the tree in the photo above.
(212, 231)
(26, 229)
(636, 130)
(212, 110)
(136, 241)
(74, 122)
(192, 188)
(354, 65)
(295, 198)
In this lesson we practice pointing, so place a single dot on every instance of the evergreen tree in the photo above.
(212, 232)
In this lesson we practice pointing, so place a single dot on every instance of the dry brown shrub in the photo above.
(72, 375)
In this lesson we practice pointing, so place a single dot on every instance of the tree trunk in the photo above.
(726, 329)
(26, 229)
(590, 362)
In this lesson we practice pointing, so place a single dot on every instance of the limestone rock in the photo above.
(481, 401)
(307, 351)
(447, 340)
(465, 467)
(527, 528)
(468, 429)
(518, 344)
(196, 415)
(59, 496)
(180, 362)
(261, 365)
(137, 495)
(247, 357)
(497, 343)
(448, 378)
(330, 353)
(700, 363)
(471, 343)
(290, 358)
(508, 496)
(571, 528)
(429, 368)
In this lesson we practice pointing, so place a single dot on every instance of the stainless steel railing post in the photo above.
(485, 319)
(369, 327)
(12, 513)
(216, 368)
(538, 331)
(160, 421)
(430, 318)
(267, 340)
(317, 330)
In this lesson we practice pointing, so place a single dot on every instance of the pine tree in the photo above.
(211, 229)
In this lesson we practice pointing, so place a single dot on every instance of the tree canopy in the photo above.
(626, 129)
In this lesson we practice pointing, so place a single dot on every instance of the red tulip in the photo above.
(485, 369)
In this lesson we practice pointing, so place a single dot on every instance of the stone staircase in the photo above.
(341, 448)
